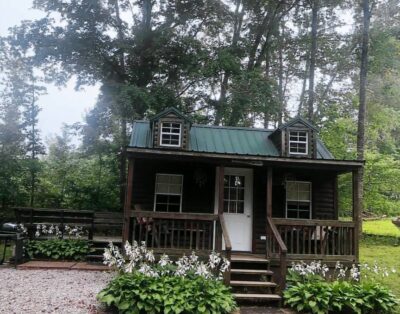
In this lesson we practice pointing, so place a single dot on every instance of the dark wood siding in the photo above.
(198, 183)
(324, 198)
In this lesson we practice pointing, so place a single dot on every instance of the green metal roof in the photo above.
(222, 140)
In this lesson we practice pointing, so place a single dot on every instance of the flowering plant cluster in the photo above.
(59, 232)
(315, 270)
(138, 258)
(22, 229)
(313, 288)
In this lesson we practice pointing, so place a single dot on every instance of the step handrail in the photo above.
(228, 247)
(273, 235)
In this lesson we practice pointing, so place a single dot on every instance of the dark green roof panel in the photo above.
(222, 140)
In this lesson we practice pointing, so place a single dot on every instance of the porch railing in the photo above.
(316, 238)
(178, 233)
(277, 248)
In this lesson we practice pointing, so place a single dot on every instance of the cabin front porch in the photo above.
(204, 220)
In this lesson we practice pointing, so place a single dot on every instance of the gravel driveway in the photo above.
(51, 291)
(65, 292)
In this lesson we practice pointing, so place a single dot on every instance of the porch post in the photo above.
(357, 208)
(220, 182)
(128, 202)
(269, 192)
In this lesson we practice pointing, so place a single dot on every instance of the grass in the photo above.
(382, 227)
(8, 252)
(381, 244)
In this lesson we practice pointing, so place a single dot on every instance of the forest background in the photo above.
(252, 63)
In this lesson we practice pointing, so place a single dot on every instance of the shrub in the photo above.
(58, 249)
(144, 285)
(312, 289)
(340, 297)
(139, 293)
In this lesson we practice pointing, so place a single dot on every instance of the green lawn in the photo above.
(8, 252)
(381, 244)
(383, 227)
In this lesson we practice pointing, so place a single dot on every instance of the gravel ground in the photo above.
(51, 291)
(65, 292)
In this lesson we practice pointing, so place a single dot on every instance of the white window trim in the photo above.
(168, 133)
(286, 199)
(155, 191)
(298, 142)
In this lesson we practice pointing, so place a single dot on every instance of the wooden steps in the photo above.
(252, 271)
(241, 283)
(251, 279)
(257, 296)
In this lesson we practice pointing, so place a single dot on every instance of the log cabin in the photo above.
(261, 197)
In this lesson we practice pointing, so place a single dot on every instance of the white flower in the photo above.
(164, 260)
(150, 256)
(202, 270)
(354, 273)
(214, 260)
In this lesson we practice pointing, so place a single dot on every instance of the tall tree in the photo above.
(315, 5)
(362, 111)
(33, 143)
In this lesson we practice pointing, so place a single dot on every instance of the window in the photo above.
(298, 199)
(170, 134)
(234, 194)
(168, 193)
(298, 142)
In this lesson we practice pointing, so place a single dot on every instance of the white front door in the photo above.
(238, 207)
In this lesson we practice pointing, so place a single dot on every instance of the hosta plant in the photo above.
(58, 249)
(147, 285)
(312, 289)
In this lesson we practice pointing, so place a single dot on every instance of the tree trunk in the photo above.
(220, 106)
(313, 51)
(122, 112)
(280, 76)
(363, 81)
(362, 111)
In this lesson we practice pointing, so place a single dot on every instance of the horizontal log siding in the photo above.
(324, 198)
(197, 198)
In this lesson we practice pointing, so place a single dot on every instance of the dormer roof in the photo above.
(296, 120)
(168, 111)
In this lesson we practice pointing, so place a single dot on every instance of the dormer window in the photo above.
(298, 142)
(171, 133)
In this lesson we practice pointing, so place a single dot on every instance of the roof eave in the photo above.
(353, 164)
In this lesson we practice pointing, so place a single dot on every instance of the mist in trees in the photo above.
(236, 62)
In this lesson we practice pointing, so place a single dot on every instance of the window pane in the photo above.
(161, 198)
(162, 188)
(232, 207)
(234, 194)
(173, 208)
(298, 199)
(240, 207)
(161, 207)
(170, 133)
(162, 178)
(226, 206)
(168, 192)
(298, 141)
